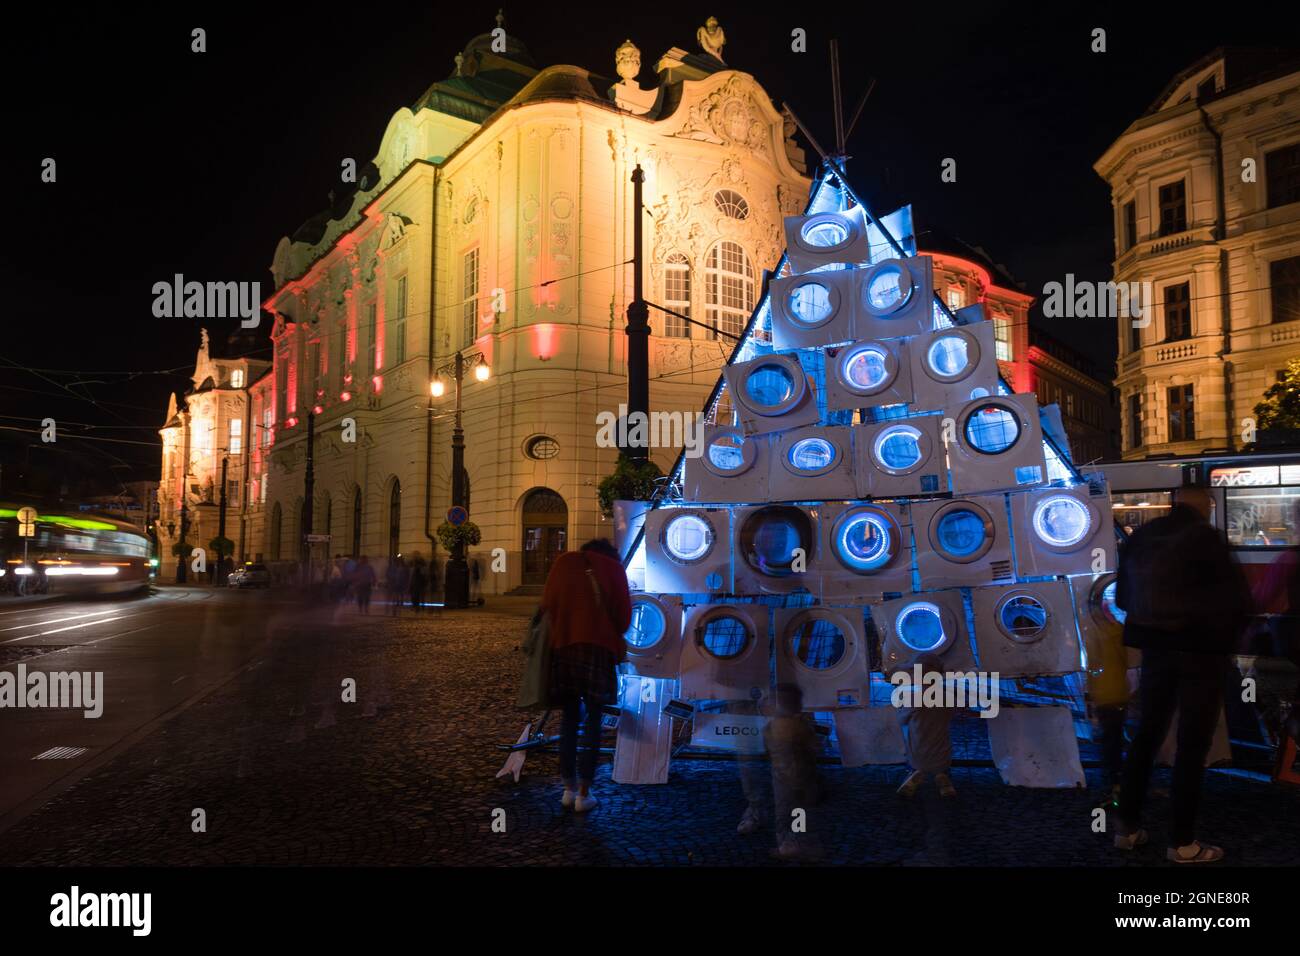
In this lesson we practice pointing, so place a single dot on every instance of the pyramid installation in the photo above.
(868, 490)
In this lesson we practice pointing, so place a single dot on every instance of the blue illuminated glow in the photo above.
(864, 542)
(769, 537)
(920, 626)
(948, 356)
(648, 625)
(898, 447)
(1023, 618)
(812, 454)
(960, 532)
(727, 452)
(992, 429)
(687, 538)
(725, 637)
(824, 233)
(888, 289)
(1062, 521)
(817, 644)
(810, 303)
(769, 385)
(865, 369)
(1109, 606)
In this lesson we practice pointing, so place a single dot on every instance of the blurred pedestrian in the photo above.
(1185, 603)
(589, 608)
(362, 582)
(928, 731)
(475, 585)
(418, 580)
(792, 748)
(396, 581)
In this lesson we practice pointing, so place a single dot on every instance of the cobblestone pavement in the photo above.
(285, 778)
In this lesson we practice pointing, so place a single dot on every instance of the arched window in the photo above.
(728, 288)
(731, 204)
(677, 295)
(394, 518)
(275, 532)
(356, 523)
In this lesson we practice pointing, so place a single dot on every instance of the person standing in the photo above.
(589, 608)
(1186, 603)
(363, 582)
(417, 582)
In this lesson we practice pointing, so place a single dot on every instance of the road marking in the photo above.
(60, 620)
(100, 640)
(60, 630)
(179, 679)
(61, 753)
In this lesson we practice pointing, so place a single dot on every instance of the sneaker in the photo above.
(1194, 852)
(946, 789)
(582, 804)
(568, 798)
(1131, 841)
(750, 822)
(912, 784)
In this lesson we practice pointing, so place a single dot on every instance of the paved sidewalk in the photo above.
(286, 775)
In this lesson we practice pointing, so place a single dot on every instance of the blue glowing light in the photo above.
(992, 429)
(812, 454)
(810, 303)
(899, 447)
(1023, 618)
(920, 626)
(961, 532)
(725, 636)
(1062, 521)
(865, 368)
(863, 541)
(948, 356)
(769, 385)
(727, 452)
(687, 538)
(647, 626)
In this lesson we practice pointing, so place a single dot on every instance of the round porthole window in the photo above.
(687, 539)
(770, 385)
(952, 357)
(900, 449)
(723, 636)
(812, 456)
(825, 233)
(816, 643)
(811, 304)
(992, 429)
(1109, 609)
(769, 537)
(1022, 618)
(728, 453)
(867, 369)
(648, 625)
(920, 626)
(887, 288)
(541, 447)
(865, 540)
(1062, 521)
(961, 531)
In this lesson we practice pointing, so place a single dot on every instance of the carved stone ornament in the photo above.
(711, 38)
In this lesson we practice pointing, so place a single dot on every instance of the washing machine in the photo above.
(962, 542)
(732, 467)
(812, 311)
(953, 365)
(826, 239)
(1026, 630)
(866, 551)
(813, 463)
(767, 539)
(824, 651)
(772, 392)
(1101, 628)
(688, 551)
(924, 624)
(726, 650)
(868, 374)
(894, 297)
(998, 444)
(654, 639)
(900, 458)
(1063, 530)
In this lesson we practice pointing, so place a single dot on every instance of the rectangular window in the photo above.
(236, 443)
(267, 424)
(1134, 336)
(1282, 170)
(1002, 338)
(1262, 517)
(342, 332)
(237, 378)
(1182, 418)
(1134, 421)
(1130, 224)
(1069, 404)
(399, 329)
(1178, 312)
(372, 330)
(469, 297)
(1173, 208)
(1284, 287)
(956, 299)
(262, 497)
(677, 296)
(232, 493)
(1133, 509)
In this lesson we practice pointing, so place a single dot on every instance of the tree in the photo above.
(1280, 408)
(450, 534)
(631, 481)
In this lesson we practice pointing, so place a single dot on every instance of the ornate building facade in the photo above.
(495, 222)
(1206, 194)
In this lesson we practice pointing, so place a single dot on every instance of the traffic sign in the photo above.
(26, 522)
(457, 515)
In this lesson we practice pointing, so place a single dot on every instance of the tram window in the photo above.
(1135, 508)
(1262, 517)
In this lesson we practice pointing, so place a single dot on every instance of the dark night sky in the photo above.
(171, 162)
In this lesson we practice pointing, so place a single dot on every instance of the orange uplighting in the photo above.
(378, 383)
(544, 336)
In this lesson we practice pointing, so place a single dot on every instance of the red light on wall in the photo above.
(291, 423)
(544, 340)
(346, 396)
(317, 409)
(378, 383)
(347, 379)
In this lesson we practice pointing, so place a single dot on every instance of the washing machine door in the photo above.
(894, 297)
(868, 374)
(731, 468)
(823, 651)
(1026, 630)
(953, 365)
(726, 652)
(999, 445)
(900, 458)
(1063, 530)
(1101, 628)
(773, 543)
(771, 393)
(866, 551)
(813, 463)
(812, 311)
(688, 551)
(826, 239)
(962, 542)
(654, 639)
(932, 624)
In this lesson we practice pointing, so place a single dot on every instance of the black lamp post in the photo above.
(457, 577)
(180, 545)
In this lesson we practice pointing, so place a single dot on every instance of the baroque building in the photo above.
(495, 221)
(1205, 188)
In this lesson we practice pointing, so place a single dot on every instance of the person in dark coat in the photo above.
(590, 609)
(418, 581)
(1186, 603)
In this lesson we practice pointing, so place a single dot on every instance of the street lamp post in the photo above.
(457, 577)
(182, 557)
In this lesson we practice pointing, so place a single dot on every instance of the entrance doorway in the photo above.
(545, 523)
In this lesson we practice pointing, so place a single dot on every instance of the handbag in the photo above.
(534, 688)
(601, 603)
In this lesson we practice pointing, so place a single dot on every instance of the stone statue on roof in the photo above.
(711, 38)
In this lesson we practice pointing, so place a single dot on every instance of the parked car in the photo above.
(250, 576)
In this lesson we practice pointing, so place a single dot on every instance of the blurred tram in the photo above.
(72, 554)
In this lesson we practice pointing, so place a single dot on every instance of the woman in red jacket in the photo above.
(590, 609)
